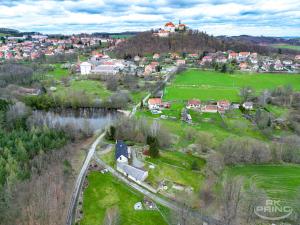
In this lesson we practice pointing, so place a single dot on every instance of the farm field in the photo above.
(104, 192)
(211, 85)
(279, 181)
(286, 46)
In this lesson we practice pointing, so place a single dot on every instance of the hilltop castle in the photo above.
(171, 28)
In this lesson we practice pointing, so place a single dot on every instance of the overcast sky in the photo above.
(218, 17)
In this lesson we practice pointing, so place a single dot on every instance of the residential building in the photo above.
(248, 105)
(223, 104)
(85, 68)
(210, 108)
(193, 104)
(154, 103)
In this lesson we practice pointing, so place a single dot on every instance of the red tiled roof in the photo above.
(194, 102)
(169, 24)
(244, 53)
(154, 101)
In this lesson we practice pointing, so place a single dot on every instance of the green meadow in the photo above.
(286, 46)
(279, 181)
(211, 85)
(104, 192)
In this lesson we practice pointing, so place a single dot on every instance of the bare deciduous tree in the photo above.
(230, 200)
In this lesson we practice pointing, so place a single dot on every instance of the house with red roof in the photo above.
(154, 103)
(206, 59)
(223, 105)
(232, 55)
(243, 56)
(193, 104)
(210, 108)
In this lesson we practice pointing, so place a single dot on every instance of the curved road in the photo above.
(83, 171)
(80, 179)
(167, 203)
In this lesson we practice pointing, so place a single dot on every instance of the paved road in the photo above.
(167, 203)
(83, 171)
(80, 179)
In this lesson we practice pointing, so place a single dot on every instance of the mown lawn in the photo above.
(211, 85)
(176, 167)
(104, 192)
(279, 181)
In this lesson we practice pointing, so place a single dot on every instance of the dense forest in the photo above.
(191, 41)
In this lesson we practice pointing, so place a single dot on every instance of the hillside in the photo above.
(192, 41)
(288, 45)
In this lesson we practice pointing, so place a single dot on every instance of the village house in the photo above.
(232, 55)
(85, 68)
(221, 59)
(210, 108)
(206, 59)
(154, 103)
(223, 105)
(248, 105)
(243, 56)
(122, 156)
(122, 152)
(151, 68)
(193, 104)
(278, 65)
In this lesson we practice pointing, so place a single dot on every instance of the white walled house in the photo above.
(85, 68)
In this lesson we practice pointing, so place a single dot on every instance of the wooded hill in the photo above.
(190, 42)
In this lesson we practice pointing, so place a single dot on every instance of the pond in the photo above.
(93, 119)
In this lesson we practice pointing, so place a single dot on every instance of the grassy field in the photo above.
(176, 167)
(104, 192)
(58, 72)
(279, 181)
(286, 46)
(211, 85)
(92, 88)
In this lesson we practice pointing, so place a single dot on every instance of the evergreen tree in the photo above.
(153, 146)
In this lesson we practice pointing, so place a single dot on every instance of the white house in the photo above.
(154, 103)
(248, 105)
(122, 153)
(133, 173)
(85, 68)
